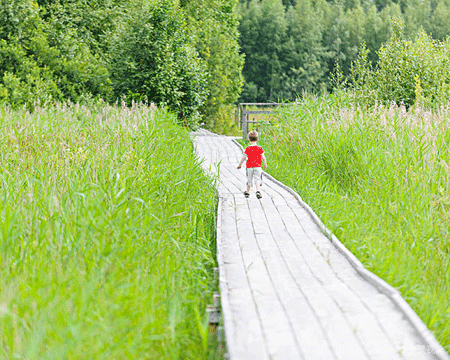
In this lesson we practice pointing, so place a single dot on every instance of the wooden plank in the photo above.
(246, 327)
(346, 300)
(332, 321)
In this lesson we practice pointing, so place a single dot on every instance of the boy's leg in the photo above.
(258, 176)
(249, 179)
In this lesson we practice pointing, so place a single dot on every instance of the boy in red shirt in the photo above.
(253, 154)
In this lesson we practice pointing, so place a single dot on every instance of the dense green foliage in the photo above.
(291, 47)
(215, 23)
(39, 64)
(180, 54)
(380, 181)
(408, 72)
(152, 57)
(106, 236)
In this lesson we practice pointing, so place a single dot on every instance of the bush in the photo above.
(153, 58)
(23, 80)
(42, 64)
(408, 72)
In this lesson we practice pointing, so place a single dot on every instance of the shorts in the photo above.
(255, 174)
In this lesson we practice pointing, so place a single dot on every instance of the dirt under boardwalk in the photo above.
(286, 291)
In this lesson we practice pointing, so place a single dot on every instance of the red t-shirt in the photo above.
(254, 155)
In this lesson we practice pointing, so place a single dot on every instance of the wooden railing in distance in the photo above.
(243, 108)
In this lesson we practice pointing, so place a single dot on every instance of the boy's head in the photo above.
(253, 136)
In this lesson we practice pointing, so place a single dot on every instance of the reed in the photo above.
(106, 235)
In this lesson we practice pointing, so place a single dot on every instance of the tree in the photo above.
(35, 67)
(337, 37)
(93, 22)
(416, 15)
(408, 72)
(377, 29)
(249, 40)
(440, 21)
(263, 33)
(153, 57)
(306, 58)
(213, 24)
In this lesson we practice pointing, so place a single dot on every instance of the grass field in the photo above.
(106, 236)
(380, 180)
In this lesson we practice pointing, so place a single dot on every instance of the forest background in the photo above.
(179, 54)
(292, 47)
(200, 57)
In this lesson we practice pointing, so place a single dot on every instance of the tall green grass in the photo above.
(106, 235)
(380, 180)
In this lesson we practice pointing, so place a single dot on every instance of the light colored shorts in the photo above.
(254, 174)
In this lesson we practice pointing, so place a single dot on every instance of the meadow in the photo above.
(107, 243)
(379, 179)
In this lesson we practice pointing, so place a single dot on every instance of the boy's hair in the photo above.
(253, 135)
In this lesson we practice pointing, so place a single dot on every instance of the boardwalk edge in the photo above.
(434, 347)
(223, 285)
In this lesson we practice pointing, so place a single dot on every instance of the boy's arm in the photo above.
(263, 158)
(242, 161)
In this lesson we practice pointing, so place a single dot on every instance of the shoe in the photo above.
(258, 195)
(246, 194)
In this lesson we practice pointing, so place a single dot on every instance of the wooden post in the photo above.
(245, 115)
(244, 121)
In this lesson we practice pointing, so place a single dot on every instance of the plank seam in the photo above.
(280, 301)
(335, 302)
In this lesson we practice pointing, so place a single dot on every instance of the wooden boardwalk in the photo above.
(287, 290)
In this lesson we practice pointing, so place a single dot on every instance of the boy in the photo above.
(254, 154)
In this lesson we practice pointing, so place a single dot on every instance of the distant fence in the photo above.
(244, 114)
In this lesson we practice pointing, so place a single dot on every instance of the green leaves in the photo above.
(154, 57)
(213, 25)
(408, 72)
(292, 47)
(263, 33)
(18, 18)
(41, 63)
(183, 57)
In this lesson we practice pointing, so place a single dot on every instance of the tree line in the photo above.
(183, 54)
(294, 46)
(199, 57)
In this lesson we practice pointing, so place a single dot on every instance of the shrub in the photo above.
(408, 72)
(42, 64)
(154, 58)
